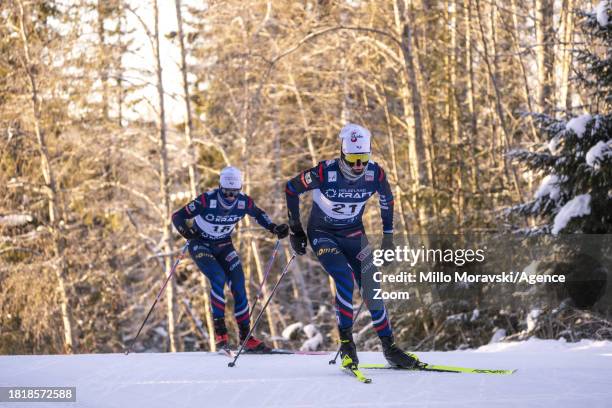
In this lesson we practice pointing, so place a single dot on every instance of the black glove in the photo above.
(191, 233)
(298, 240)
(281, 230)
(387, 243)
(187, 232)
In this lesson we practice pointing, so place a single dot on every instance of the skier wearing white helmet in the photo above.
(336, 233)
(207, 222)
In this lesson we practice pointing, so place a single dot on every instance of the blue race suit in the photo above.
(210, 245)
(336, 232)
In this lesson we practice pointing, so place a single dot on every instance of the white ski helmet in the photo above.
(230, 178)
(355, 139)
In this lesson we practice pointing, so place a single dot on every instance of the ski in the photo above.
(299, 352)
(232, 353)
(226, 352)
(356, 372)
(439, 368)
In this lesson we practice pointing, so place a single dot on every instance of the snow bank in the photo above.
(576, 207)
(497, 336)
(313, 343)
(602, 12)
(535, 345)
(578, 124)
(598, 153)
(315, 338)
(532, 319)
(291, 329)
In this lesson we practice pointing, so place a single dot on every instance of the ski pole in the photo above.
(267, 272)
(161, 291)
(248, 336)
(338, 352)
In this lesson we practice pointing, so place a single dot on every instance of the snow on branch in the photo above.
(549, 188)
(598, 153)
(578, 124)
(576, 207)
(601, 12)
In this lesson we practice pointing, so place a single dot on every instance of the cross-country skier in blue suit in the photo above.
(336, 233)
(207, 222)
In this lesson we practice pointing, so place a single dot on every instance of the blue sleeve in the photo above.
(385, 200)
(260, 216)
(307, 180)
(180, 217)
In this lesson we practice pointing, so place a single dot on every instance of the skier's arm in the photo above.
(180, 217)
(281, 231)
(385, 200)
(260, 216)
(307, 180)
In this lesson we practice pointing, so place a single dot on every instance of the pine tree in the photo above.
(576, 192)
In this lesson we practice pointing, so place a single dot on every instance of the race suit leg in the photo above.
(359, 254)
(230, 262)
(203, 255)
(335, 263)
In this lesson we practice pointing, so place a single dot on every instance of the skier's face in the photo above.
(230, 194)
(357, 161)
(358, 167)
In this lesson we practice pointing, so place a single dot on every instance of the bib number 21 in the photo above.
(342, 208)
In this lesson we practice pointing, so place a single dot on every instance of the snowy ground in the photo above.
(551, 374)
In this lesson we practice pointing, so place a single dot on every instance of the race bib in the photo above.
(214, 230)
(335, 209)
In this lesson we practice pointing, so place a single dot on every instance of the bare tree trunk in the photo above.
(453, 117)
(510, 173)
(171, 308)
(515, 44)
(545, 36)
(408, 119)
(567, 34)
(298, 98)
(187, 98)
(103, 57)
(193, 176)
(417, 149)
(394, 169)
(470, 92)
(70, 342)
(416, 101)
(122, 46)
(428, 142)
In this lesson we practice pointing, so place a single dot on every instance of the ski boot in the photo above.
(252, 345)
(221, 337)
(395, 356)
(348, 351)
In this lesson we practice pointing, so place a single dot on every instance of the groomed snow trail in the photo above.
(550, 374)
